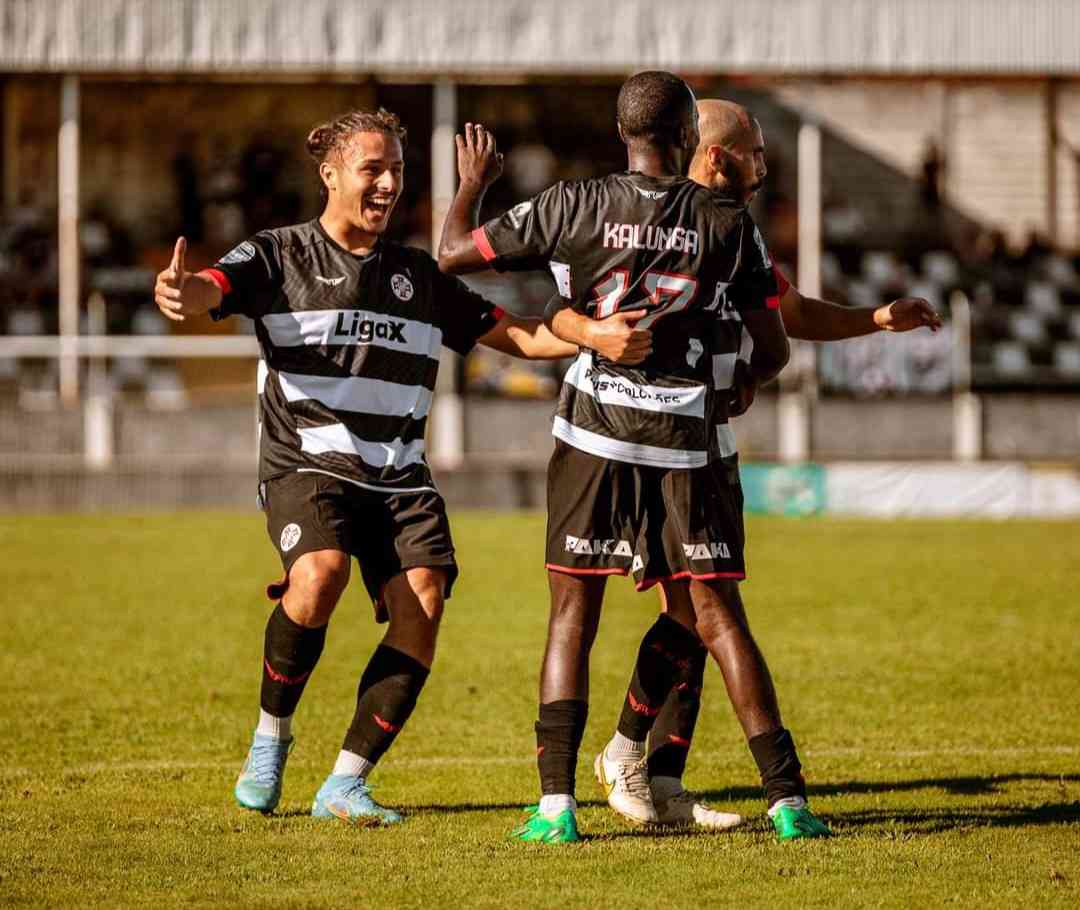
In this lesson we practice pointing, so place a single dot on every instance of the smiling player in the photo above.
(350, 327)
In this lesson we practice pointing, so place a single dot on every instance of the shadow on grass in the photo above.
(962, 786)
(931, 821)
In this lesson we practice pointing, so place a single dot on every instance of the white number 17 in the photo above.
(667, 292)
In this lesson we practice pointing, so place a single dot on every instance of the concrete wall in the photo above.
(205, 458)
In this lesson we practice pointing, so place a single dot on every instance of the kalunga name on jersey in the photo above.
(650, 237)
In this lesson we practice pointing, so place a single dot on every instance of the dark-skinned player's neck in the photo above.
(346, 234)
(655, 160)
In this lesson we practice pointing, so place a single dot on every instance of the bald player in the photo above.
(730, 159)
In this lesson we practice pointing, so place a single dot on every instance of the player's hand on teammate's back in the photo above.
(179, 293)
(479, 161)
(906, 314)
(617, 339)
(743, 390)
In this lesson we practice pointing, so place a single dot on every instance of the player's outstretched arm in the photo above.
(180, 293)
(810, 319)
(520, 336)
(616, 337)
(479, 165)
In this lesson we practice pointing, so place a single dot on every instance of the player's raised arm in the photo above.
(616, 337)
(180, 293)
(479, 165)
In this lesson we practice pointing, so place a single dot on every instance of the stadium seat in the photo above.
(1043, 298)
(1067, 359)
(941, 267)
(1061, 272)
(929, 291)
(149, 321)
(165, 389)
(880, 268)
(129, 371)
(1027, 327)
(1011, 359)
(863, 293)
(831, 273)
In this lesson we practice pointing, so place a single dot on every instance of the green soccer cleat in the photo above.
(794, 824)
(538, 828)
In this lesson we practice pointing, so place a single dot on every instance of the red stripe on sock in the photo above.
(282, 678)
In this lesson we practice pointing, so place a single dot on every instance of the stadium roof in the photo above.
(463, 37)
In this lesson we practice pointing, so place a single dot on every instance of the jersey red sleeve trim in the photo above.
(480, 238)
(219, 278)
(772, 303)
(782, 284)
(498, 313)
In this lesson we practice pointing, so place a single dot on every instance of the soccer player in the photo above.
(629, 487)
(350, 327)
(730, 159)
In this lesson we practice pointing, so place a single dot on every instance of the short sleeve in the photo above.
(756, 284)
(463, 315)
(249, 276)
(524, 238)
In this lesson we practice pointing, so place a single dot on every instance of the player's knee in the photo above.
(429, 586)
(316, 582)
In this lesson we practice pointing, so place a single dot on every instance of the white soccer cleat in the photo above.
(683, 808)
(626, 786)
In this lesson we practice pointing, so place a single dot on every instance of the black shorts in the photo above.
(387, 533)
(614, 518)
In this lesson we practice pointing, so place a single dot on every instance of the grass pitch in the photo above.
(930, 672)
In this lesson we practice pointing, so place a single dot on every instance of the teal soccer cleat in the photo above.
(348, 797)
(259, 785)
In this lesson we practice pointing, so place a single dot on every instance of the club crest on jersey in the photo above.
(651, 194)
(711, 550)
(290, 537)
(517, 214)
(242, 253)
(587, 547)
(401, 286)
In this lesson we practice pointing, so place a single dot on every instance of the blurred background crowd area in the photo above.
(929, 187)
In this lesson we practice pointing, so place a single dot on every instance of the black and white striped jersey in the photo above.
(732, 344)
(350, 351)
(627, 242)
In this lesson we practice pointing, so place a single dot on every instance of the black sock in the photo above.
(290, 652)
(781, 773)
(385, 698)
(558, 738)
(664, 653)
(670, 737)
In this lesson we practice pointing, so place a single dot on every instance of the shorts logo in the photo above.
(401, 286)
(586, 547)
(711, 550)
(242, 253)
(290, 537)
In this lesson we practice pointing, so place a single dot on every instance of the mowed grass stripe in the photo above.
(929, 672)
